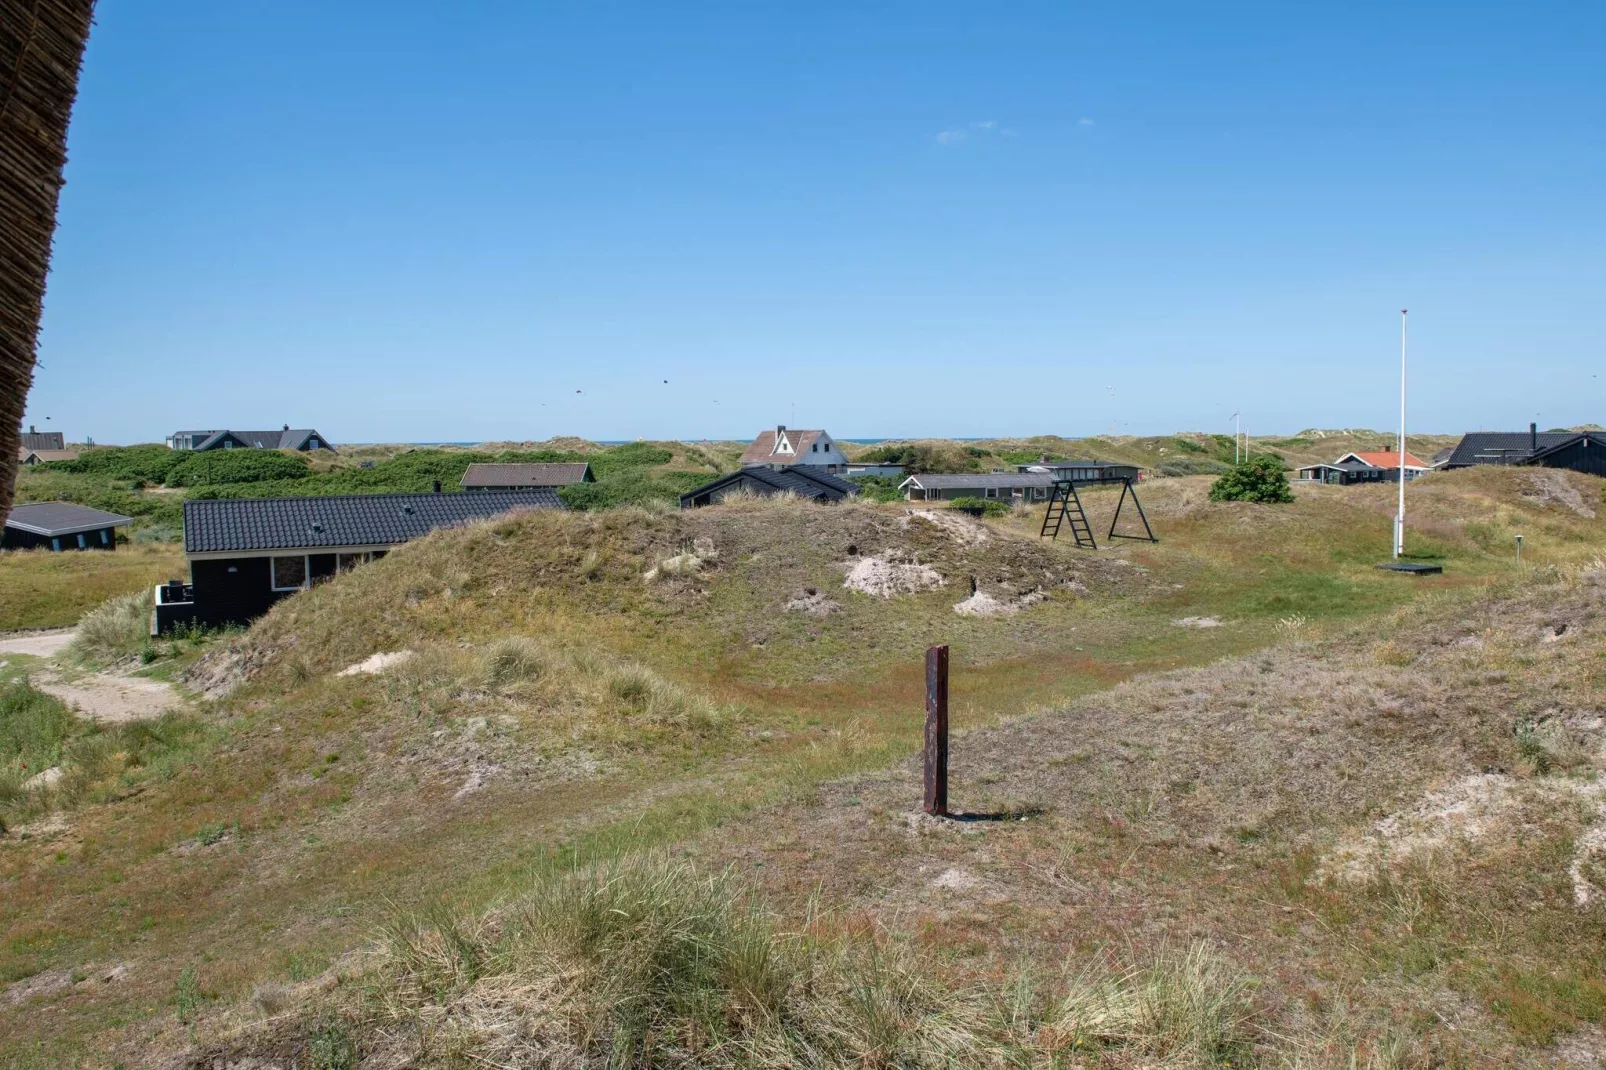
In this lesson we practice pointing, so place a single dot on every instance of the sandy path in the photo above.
(39, 644)
(111, 698)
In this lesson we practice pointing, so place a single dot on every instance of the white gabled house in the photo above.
(782, 448)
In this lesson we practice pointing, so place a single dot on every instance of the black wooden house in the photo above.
(245, 554)
(61, 526)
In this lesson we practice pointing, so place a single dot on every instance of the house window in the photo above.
(105, 536)
(992, 492)
(228, 444)
(289, 573)
(347, 562)
(312, 444)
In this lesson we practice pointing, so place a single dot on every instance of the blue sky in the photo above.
(429, 221)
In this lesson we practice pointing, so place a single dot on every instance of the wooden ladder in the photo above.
(1065, 507)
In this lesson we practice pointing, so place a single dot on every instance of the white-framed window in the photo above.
(83, 544)
(105, 537)
(289, 573)
(228, 443)
(992, 492)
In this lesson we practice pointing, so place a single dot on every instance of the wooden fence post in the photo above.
(936, 801)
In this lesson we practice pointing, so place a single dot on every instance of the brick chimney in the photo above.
(1533, 438)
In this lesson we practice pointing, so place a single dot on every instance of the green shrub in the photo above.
(148, 464)
(33, 727)
(1192, 466)
(988, 506)
(236, 466)
(878, 488)
(1259, 479)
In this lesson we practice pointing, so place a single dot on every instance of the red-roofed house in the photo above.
(782, 448)
(1371, 467)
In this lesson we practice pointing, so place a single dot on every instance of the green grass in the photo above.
(42, 589)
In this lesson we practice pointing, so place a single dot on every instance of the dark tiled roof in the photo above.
(244, 525)
(62, 518)
(525, 475)
(1595, 437)
(1502, 447)
(983, 480)
(798, 479)
(290, 438)
(41, 440)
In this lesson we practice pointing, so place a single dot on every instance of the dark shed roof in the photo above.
(246, 525)
(62, 518)
(803, 480)
(1503, 447)
(981, 480)
(526, 475)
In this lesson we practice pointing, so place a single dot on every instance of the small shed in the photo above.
(525, 476)
(1003, 486)
(815, 484)
(61, 526)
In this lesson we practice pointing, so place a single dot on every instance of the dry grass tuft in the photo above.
(114, 631)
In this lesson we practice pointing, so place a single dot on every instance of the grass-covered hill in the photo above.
(1182, 454)
(596, 684)
(150, 482)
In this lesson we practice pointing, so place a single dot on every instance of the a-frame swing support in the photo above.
(1065, 507)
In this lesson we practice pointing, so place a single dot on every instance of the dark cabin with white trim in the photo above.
(806, 481)
(247, 553)
(61, 526)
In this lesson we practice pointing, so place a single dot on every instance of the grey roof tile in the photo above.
(247, 525)
(61, 518)
(552, 474)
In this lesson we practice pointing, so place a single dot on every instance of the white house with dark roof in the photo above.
(784, 447)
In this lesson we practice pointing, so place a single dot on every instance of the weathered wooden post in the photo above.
(936, 802)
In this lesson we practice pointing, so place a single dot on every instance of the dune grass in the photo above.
(41, 589)
(647, 962)
(525, 730)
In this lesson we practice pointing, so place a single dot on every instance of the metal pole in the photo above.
(1399, 516)
(936, 801)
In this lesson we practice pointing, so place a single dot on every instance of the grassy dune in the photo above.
(586, 685)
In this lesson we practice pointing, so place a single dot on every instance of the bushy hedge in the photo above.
(236, 466)
(148, 464)
(1260, 479)
(988, 506)
(878, 488)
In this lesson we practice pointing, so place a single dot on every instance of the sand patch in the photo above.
(811, 601)
(1546, 485)
(1588, 869)
(1196, 622)
(111, 697)
(39, 644)
(884, 577)
(982, 604)
(374, 664)
(957, 526)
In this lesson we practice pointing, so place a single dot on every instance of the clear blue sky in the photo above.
(432, 221)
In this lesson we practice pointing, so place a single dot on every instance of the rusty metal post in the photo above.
(936, 802)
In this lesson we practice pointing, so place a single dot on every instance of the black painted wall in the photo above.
(13, 539)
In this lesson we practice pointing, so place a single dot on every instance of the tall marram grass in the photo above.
(114, 631)
(649, 963)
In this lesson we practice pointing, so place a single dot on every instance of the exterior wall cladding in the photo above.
(101, 539)
(233, 590)
(1581, 456)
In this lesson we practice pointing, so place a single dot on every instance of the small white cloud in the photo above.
(1084, 122)
(951, 137)
(981, 128)
(987, 124)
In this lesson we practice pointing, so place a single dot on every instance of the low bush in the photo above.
(148, 464)
(1191, 466)
(988, 506)
(236, 466)
(1259, 479)
(878, 488)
